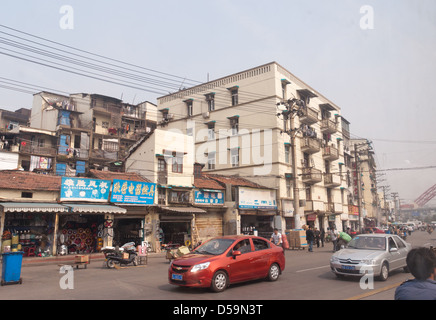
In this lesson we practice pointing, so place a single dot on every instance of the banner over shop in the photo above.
(84, 189)
(250, 198)
(135, 192)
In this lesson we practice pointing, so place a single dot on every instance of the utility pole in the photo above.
(395, 196)
(293, 108)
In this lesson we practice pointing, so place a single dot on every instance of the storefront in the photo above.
(257, 208)
(86, 228)
(210, 223)
(257, 222)
(176, 224)
(30, 227)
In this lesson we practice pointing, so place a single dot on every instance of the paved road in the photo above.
(307, 276)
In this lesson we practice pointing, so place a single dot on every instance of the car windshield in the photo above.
(367, 243)
(214, 246)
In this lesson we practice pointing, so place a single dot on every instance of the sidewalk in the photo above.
(37, 261)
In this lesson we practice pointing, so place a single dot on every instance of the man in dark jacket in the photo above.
(422, 264)
(310, 237)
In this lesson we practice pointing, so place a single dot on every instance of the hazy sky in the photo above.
(382, 77)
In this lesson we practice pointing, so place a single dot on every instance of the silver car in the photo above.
(379, 253)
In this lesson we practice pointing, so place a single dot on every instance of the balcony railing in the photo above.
(312, 205)
(308, 116)
(162, 177)
(34, 148)
(328, 126)
(332, 180)
(311, 175)
(330, 153)
(310, 145)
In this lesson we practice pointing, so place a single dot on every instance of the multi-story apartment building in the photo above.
(365, 182)
(238, 128)
(91, 131)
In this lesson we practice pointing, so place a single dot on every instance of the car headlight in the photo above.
(368, 261)
(200, 266)
(334, 259)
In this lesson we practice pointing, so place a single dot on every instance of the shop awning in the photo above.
(181, 209)
(95, 208)
(33, 207)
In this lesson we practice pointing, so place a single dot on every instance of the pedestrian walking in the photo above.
(317, 237)
(276, 237)
(310, 237)
(421, 262)
(322, 236)
(334, 237)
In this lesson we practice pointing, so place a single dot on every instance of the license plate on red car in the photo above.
(175, 276)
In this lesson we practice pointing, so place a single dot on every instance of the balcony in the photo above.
(310, 145)
(333, 207)
(35, 149)
(328, 126)
(104, 155)
(311, 175)
(308, 116)
(312, 206)
(332, 180)
(330, 153)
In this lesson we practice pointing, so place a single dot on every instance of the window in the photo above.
(234, 157)
(179, 196)
(399, 242)
(177, 164)
(189, 107)
(211, 160)
(260, 244)
(197, 170)
(234, 123)
(211, 131)
(243, 246)
(288, 187)
(161, 165)
(234, 95)
(287, 153)
(162, 196)
(26, 194)
(392, 243)
(210, 99)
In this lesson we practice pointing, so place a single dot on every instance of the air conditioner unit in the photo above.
(206, 115)
(170, 116)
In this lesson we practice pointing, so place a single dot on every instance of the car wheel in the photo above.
(219, 281)
(384, 272)
(406, 269)
(274, 272)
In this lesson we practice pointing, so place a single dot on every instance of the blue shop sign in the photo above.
(84, 189)
(126, 191)
(209, 197)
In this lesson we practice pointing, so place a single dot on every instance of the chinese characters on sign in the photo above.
(206, 197)
(250, 198)
(124, 191)
(84, 189)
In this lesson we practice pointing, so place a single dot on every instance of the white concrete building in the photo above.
(238, 129)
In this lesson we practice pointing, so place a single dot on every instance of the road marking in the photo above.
(374, 292)
(304, 270)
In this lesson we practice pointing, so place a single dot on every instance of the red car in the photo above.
(373, 230)
(222, 261)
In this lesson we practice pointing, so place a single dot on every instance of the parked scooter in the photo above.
(123, 256)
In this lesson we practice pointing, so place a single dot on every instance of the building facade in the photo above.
(238, 128)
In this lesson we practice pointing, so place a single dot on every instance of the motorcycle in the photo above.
(123, 256)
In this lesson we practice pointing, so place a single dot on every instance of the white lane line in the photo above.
(304, 270)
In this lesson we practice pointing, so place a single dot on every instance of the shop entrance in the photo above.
(128, 230)
(80, 233)
(262, 224)
(175, 233)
